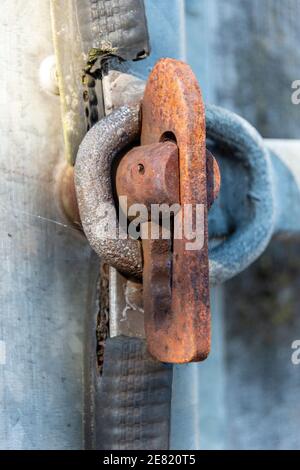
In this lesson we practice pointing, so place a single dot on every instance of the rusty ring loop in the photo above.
(93, 183)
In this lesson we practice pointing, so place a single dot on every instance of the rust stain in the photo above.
(68, 196)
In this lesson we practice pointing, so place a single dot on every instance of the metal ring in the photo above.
(99, 148)
(249, 239)
(94, 191)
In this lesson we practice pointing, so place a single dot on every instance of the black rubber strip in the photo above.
(121, 23)
(133, 399)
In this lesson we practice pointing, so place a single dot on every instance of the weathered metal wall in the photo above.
(246, 57)
(46, 266)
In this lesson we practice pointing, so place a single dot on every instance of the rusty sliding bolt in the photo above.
(172, 166)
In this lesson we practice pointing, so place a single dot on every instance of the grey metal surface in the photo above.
(262, 383)
(245, 58)
(45, 264)
(285, 159)
(126, 307)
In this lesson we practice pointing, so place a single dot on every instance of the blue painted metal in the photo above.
(166, 27)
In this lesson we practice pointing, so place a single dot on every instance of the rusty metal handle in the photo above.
(173, 160)
(177, 326)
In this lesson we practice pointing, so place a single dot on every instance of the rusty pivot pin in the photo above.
(172, 166)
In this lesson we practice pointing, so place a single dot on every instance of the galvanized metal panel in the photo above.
(45, 264)
(246, 57)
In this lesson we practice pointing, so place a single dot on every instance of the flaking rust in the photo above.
(173, 166)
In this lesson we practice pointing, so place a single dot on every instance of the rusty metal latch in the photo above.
(170, 167)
